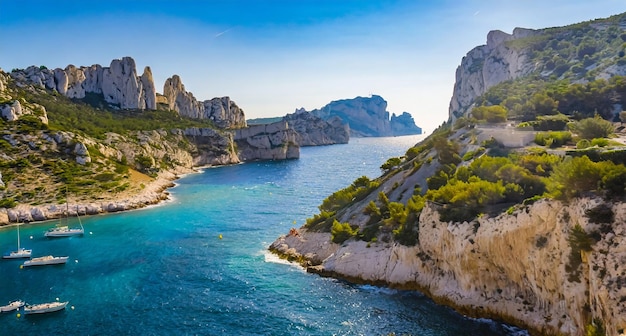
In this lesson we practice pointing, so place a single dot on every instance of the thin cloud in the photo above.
(222, 33)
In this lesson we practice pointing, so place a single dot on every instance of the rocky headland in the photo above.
(133, 168)
(315, 131)
(548, 263)
(367, 117)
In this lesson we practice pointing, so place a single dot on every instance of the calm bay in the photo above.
(164, 270)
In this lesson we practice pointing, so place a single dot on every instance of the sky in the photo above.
(273, 56)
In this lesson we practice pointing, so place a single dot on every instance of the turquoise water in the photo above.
(164, 271)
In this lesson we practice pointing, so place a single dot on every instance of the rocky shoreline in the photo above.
(284, 248)
(510, 268)
(151, 193)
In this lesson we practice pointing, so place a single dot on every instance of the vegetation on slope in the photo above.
(36, 171)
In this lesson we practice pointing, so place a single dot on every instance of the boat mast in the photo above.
(18, 237)
(77, 216)
(67, 206)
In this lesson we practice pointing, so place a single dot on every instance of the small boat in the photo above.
(45, 307)
(47, 260)
(13, 305)
(21, 252)
(64, 230)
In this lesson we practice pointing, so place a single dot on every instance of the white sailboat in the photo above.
(42, 308)
(65, 230)
(21, 252)
(47, 260)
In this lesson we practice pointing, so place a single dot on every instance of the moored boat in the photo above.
(20, 252)
(13, 305)
(42, 308)
(64, 231)
(47, 260)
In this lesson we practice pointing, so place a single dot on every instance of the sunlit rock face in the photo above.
(274, 141)
(223, 111)
(488, 65)
(513, 266)
(119, 84)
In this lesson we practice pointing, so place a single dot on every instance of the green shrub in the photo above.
(340, 232)
(600, 142)
(390, 164)
(578, 241)
(7, 203)
(490, 114)
(582, 144)
(553, 139)
(595, 328)
(472, 154)
(463, 201)
(321, 222)
(591, 128)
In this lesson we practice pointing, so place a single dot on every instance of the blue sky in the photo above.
(274, 56)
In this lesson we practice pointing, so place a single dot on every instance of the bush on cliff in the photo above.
(340, 232)
(321, 222)
(360, 188)
(577, 175)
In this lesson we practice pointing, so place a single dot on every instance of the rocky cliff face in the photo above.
(488, 65)
(365, 116)
(510, 267)
(404, 125)
(578, 53)
(315, 131)
(267, 142)
(36, 156)
(211, 147)
(118, 83)
(222, 111)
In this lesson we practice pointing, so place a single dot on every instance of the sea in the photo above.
(198, 263)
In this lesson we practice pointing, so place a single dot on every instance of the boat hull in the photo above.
(11, 306)
(68, 233)
(43, 308)
(22, 253)
(47, 261)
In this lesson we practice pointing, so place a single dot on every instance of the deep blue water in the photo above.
(164, 271)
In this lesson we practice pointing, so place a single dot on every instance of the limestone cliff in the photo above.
(314, 131)
(275, 141)
(404, 125)
(365, 116)
(511, 267)
(551, 266)
(488, 65)
(222, 111)
(211, 147)
(119, 83)
(37, 161)
(579, 53)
